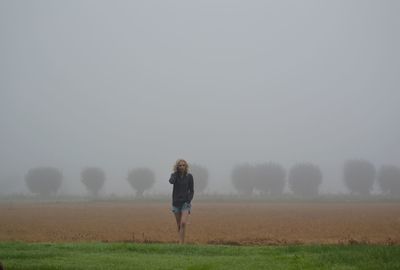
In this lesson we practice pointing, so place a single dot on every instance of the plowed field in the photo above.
(213, 223)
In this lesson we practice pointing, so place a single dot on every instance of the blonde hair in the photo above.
(175, 168)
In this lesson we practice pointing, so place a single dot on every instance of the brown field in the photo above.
(210, 223)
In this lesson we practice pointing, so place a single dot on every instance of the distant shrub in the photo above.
(93, 178)
(44, 181)
(141, 179)
(243, 179)
(200, 176)
(359, 176)
(305, 179)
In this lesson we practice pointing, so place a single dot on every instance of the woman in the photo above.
(182, 196)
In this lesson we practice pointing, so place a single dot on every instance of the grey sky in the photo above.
(122, 84)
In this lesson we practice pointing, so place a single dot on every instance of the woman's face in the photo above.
(181, 166)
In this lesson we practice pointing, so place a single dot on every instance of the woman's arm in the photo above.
(172, 179)
(191, 188)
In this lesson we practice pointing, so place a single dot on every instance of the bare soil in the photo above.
(234, 223)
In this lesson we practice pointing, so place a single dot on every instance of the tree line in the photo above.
(269, 179)
(304, 179)
(46, 181)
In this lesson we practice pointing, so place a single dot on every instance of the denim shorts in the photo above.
(185, 207)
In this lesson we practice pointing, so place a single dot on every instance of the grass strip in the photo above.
(18, 255)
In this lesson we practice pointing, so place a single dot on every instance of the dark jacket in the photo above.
(183, 189)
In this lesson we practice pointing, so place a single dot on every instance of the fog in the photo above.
(126, 84)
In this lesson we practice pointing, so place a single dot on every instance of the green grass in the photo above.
(16, 255)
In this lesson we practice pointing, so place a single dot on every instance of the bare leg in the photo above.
(184, 221)
(178, 217)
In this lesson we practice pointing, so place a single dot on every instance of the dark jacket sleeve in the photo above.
(191, 189)
(172, 179)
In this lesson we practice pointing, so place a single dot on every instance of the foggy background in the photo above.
(125, 84)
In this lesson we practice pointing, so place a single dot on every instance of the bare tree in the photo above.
(359, 176)
(200, 176)
(305, 179)
(93, 178)
(389, 179)
(141, 179)
(270, 178)
(243, 179)
(44, 181)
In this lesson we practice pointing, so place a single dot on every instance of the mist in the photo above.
(126, 84)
